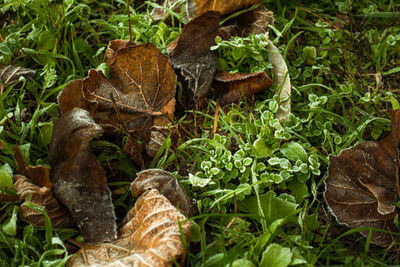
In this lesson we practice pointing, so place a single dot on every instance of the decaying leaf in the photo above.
(255, 21)
(79, 180)
(43, 196)
(167, 185)
(223, 6)
(39, 175)
(150, 236)
(363, 182)
(192, 55)
(233, 86)
(282, 80)
(10, 74)
(139, 94)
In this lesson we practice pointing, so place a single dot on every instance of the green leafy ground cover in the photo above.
(258, 183)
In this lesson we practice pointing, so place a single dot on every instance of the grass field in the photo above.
(257, 183)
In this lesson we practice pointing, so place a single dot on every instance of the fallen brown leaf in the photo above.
(43, 196)
(150, 236)
(79, 180)
(192, 55)
(139, 94)
(39, 175)
(72, 97)
(233, 86)
(223, 6)
(363, 182)
(167, 185)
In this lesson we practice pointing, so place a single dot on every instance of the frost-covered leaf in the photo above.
(79, 180)
(42, 196)
(151, 235)
(167, 185)
(363, 183)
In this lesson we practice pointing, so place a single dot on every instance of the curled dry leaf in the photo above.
(79, 180)
(223, 6)
(150, 237)
(10, 74)
(363, 182)
(255, 21)
(39, 175)
(282, 80)
(233, 86)
(139, 94)
(192, 55)
(43, 196)
(167, 185)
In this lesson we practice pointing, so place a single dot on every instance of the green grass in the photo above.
(257, 183)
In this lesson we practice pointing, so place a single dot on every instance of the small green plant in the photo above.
(248, 54)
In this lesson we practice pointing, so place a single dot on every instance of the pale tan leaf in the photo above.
(43, 196)
(150, 236)
(167, 185)
(282, 80)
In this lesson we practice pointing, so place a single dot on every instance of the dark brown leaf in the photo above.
(223, 6)
(11, 74)
(139, 94)
(43, 196)
(192, 55)
(167, 185)
(39, 175)
(363, 182)
(79, 180)
(233, 86)
(151, 236)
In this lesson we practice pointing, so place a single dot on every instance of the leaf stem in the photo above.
(129, 20)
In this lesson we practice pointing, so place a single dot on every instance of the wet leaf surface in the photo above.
(139, 94)
(167, 185)
(150, 236)
(79, 180)
(233, 86)
(363, 182)
(192, 55)
(43, 196)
